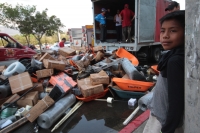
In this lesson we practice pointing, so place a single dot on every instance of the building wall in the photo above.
(192, 67)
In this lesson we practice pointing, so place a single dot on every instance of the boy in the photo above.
(167, 104)
(62, 43)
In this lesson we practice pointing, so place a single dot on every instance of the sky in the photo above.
(72, 13)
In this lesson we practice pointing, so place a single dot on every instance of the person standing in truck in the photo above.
(62, 43)
(167, 103)
(101, 18)
(173, 6)
(118, 25)
(127, 18)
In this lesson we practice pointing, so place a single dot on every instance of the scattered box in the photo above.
(29, 99)
(39, 88)
(63, 80)
(20, 82)
(2, 68)
(44, 73)
(98, 48)
(66, 51)
(46, 56)
(62, 58)
(10, 99)
(87, 89)
(39, 108)
(79, 48)
(99, 78)
(50, 64)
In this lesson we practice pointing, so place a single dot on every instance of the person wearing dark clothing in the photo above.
(173, 6)
(101, 18)
(167, 104)
(118, 25)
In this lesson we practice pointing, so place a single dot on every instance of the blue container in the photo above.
(127, 94)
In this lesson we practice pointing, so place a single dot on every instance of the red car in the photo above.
(12, 51)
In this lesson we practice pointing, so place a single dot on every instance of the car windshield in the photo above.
(8, 43)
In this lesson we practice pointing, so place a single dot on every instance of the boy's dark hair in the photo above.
(64, 39)
(179, 16)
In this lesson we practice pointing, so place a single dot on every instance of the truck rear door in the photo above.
(146, 20)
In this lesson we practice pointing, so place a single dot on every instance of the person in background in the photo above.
(118, 24)
(167, 103)
(127, 18)
(101, 18)
(62, 43)
(173, 6)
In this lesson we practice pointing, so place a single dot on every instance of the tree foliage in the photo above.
(29, 21)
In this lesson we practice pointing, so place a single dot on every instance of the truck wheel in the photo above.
(156, 54)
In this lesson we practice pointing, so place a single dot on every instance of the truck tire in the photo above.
(14, 68)
(156, 54)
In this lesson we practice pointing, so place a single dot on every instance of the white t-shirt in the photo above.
(118, 18)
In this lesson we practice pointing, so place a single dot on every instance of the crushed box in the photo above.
(63, 80)
(20, 82)
(46, 56)
(2, 68)
(66, 51)
(29, 99)
(52, 64)
(44, 73)
(87, 89)
(97, 48)
(99, 78)
(39, 108)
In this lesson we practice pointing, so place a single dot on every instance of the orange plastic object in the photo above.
(34, 80)
(122, 53)
(132, 85)
(93, 97)
(154, 67)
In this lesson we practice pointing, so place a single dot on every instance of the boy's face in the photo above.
(171, 34)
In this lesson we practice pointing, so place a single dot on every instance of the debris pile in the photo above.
(53, 82)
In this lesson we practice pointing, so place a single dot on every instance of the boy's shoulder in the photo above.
(176, 60)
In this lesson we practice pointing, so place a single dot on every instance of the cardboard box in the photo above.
(126, 76)
(29, 99)
(63, 80)
(46, 56)
(20, 82)
(39, 88)
(2, 68)
(44, 73)
(62, 58)
(66, 51)
(10, 99)
(79, 48)
(39, 108)
(50, 64)
(87, 89)
(98, 48)
(99, 78)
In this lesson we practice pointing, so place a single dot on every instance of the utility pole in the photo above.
(192, 67)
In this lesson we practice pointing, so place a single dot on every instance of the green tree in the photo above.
(44, 25)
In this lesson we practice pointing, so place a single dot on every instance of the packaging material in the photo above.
(98, 56)
(50, 64)
(47, 51)
(62, 58)
(39, 108)
(44, 73)
(38, 88)
(66, 51)
(87, 89)
(132, 102)
(46, 56)
(79, 48)
(64, 81)
(131, 71)
(99, 78)
(29, 99)
(37, 64)
(9, 100)
(2, 68)
(98, 48)
(20, 82)
(37, 56)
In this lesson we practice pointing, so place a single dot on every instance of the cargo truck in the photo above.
(145, 29)
(75, 36)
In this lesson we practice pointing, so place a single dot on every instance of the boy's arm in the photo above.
(175, 77)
